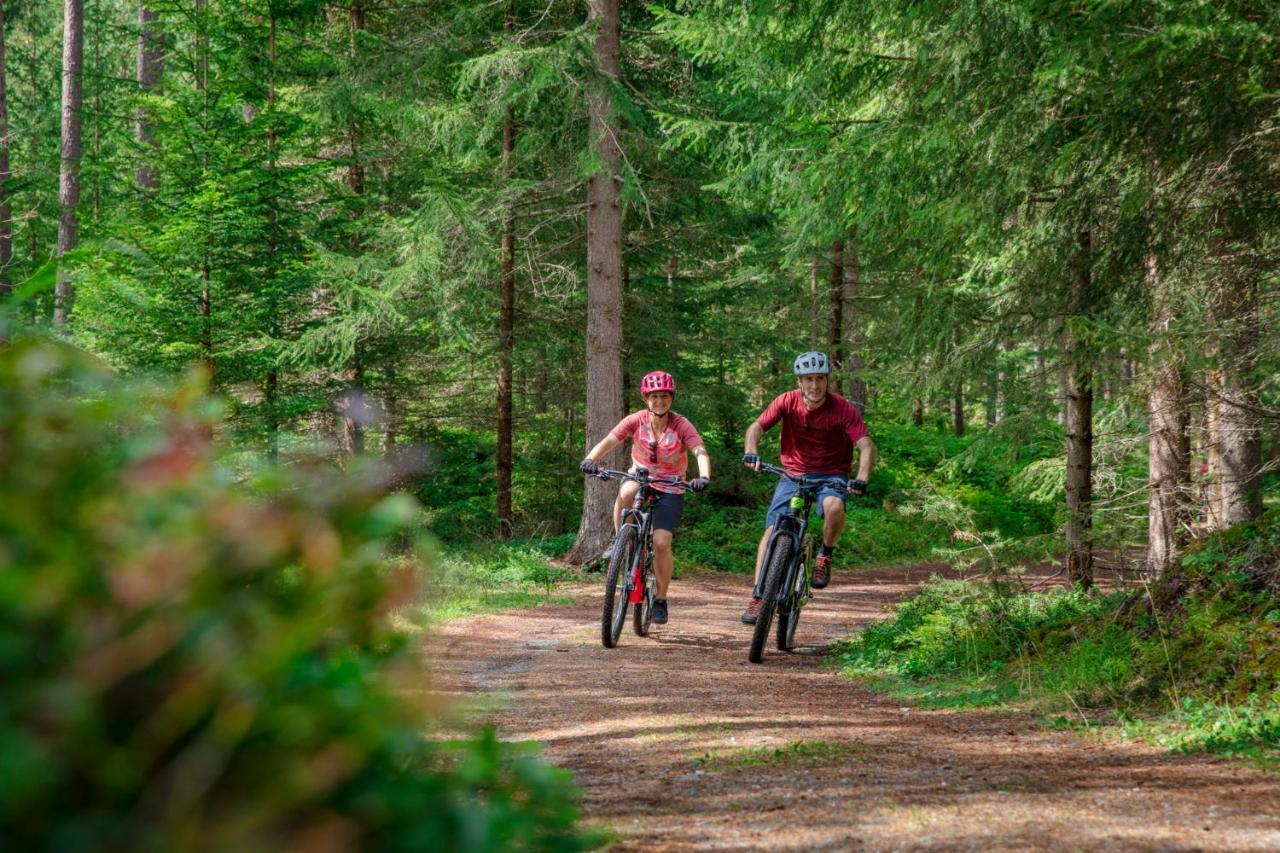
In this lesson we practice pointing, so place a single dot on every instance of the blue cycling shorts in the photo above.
(786, 488)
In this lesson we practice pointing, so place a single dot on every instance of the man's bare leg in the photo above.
(832, 520)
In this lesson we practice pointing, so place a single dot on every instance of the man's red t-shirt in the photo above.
(815, 442)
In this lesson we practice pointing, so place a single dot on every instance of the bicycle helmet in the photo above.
(657, 381)
(812, 362)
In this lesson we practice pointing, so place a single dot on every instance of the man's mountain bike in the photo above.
(784, 584)
(629, 579)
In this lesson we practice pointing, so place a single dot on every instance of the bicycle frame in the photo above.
(793, 523)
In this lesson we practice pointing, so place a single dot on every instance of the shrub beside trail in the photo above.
(195, 660)
(1192, 662)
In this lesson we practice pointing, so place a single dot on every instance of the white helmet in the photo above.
(812, 362)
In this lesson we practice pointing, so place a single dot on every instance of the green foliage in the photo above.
(1201, 672)
(192, 660)
(483, 577)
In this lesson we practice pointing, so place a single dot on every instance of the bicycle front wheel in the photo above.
(614, 613)
(779, 556)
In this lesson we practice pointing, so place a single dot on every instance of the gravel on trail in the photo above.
(680, 744)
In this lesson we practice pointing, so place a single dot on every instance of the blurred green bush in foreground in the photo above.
(191, 660)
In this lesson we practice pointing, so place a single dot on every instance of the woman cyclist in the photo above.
(660, 441)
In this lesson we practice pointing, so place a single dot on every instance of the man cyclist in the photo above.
(819, 432)
(660, 441)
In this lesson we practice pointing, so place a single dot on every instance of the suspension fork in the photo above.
(640, 562)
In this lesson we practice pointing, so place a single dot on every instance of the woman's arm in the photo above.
(602, 449)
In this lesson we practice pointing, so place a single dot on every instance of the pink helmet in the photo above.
(657, 381)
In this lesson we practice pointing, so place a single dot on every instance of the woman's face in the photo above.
(658, 402)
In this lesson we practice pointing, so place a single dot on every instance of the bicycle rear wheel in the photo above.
(779, 556)
(614, 613)
(788, 621)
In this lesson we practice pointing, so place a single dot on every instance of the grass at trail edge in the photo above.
(1199, 670)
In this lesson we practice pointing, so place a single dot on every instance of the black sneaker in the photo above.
(753, 610)
(607, 554)
(659, 611)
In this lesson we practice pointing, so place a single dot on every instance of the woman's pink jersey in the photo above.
(665, 457)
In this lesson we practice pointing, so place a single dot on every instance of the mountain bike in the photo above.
(629, 579)
(784, 584)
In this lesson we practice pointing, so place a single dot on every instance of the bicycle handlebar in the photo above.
(643, 479)
(838, 483)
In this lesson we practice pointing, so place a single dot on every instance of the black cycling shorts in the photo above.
(666, 510)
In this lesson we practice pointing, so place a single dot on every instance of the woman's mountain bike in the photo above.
(629, 580)
(784, 584)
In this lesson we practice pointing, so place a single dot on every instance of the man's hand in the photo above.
(751, 460)
(857, 487)
(698, 483)
(589, 466)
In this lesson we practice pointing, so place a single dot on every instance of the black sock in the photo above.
(824, 550)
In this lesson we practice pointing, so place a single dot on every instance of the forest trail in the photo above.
(672, 738)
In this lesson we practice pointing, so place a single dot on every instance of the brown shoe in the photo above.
(753, 610)
(821, 572)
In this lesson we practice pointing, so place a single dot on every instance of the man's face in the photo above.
(813, 386)
(658, 402)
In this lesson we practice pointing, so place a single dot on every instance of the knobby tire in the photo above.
(615, 582)
(779, 556)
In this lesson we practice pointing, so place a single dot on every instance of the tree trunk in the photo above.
(857, 395)
(1078, 358)
(149, 69)
(506, 316)
(6, 209)
(958, 408)
(69, 175)
(1167, 431)
(1237, 405)
(604, 275)
(201, 75)
(815, 314)
(273, 239)
(356, 407)
(835, 335)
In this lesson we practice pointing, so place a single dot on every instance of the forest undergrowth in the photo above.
(1191, 663)
(927, 483)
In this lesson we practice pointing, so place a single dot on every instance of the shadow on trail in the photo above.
(679, 743)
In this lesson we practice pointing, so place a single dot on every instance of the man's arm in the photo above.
(866, 457)
(751, 443)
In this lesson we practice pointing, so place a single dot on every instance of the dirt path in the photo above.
(637, 722)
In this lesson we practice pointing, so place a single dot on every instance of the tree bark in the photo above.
(604, 275)
(1236, 406)
(149, 70)
(835, 335)
(1078, 357)
(1167, 411)
(356, 405)
(858, 392)
(506, 315)
(6, 208)
(69, 175)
